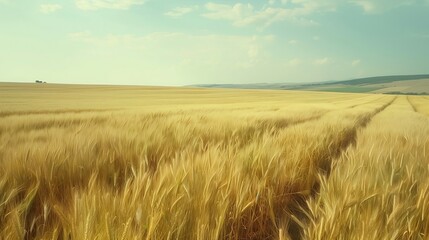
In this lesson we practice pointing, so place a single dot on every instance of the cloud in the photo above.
(356, 62)
(169, 56)
(49, 8)
(110, 41)
(241, 14)
(380, 6)
(180, 11)
(244, 49)
(294, 62)
(236, 13)
(107, 4)
(84, 36)
(367, 6)
(321, 61)
(299, 11)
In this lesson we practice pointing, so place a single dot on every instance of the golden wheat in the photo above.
(111, 162)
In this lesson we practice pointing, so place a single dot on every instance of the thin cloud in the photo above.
(240, 14)
(180, 11)
(187, 50)
(299, 11)
(294, 62)
(367, 6)
(107, 4)
(49, 8)
(356, 62)
(321, 61)
(373, 7)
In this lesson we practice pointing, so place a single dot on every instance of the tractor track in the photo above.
(349, 139)
(368, 102)
(412, 105)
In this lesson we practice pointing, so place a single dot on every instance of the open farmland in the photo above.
(119, 162)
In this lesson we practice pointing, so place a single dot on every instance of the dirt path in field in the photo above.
(295, 228)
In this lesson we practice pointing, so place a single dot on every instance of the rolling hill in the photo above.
(398, 84)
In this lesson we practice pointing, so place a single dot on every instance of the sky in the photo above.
(183, 42)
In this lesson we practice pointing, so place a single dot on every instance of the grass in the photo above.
(99, 162)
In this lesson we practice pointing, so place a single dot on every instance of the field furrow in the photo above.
(349, 139)
(412, 105)
(379, 188)
(420, 104)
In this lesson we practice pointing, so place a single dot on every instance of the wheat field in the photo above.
(124, 162)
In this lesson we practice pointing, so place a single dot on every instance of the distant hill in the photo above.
(399, 84)
(250, 86)
(383, 79)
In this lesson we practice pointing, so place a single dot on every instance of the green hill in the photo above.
(383, 79)
(398, 84)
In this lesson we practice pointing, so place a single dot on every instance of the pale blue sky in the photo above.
(164, 42)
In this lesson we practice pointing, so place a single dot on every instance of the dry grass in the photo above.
(97, 162)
